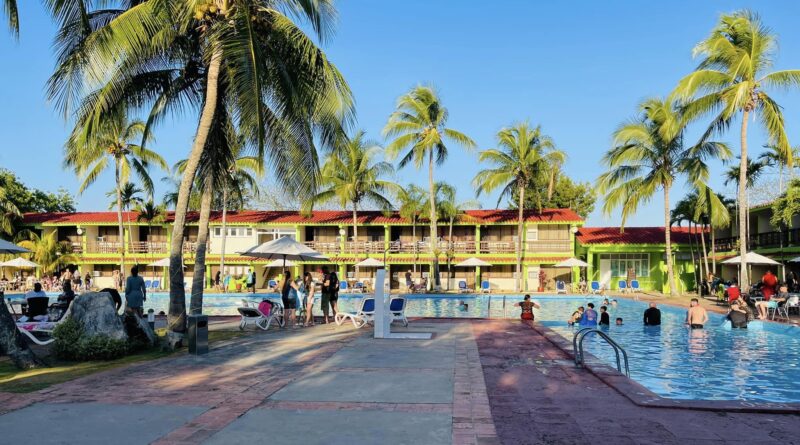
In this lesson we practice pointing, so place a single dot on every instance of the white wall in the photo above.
(233, 244)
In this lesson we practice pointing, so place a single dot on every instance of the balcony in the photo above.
(324, 246)
(148, 247)
(135, 247)
(766, 240)
(548, 246)
(498, 247)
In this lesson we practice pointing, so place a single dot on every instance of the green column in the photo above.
(477, 277)
(343, 272)
(387, 236)
(208, 277)
(298, 233)
(477, 239)
(342, 239)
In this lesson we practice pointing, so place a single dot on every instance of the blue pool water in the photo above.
(760, 364)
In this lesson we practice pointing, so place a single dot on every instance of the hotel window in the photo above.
(234, 232)
(621, 262)
(532, 233)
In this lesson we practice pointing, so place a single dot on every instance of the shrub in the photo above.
(71, 344)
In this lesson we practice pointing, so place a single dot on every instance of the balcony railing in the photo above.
(324, 246)
(148, 247)
(498, 247)
(549, 246)
(766, 240)
(138, 247)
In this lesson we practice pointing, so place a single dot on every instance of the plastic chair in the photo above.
(623, 286)
(596, 287)
(485, 287)
(148, 284)
(634, 285)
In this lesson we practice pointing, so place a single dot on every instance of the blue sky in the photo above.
(577, 68)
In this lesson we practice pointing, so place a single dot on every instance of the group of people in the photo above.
(299, 293)
(246, 281)
(589, 317)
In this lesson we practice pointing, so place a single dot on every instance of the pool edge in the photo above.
(641, 396)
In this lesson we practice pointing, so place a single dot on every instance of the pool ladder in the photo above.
(577, 348)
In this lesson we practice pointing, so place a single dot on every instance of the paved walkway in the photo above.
(323, 385)
(537, 396)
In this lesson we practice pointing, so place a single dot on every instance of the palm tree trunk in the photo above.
(705, 252)
(744, 283)
(450, 253)
(177, 295)
(355, 233)
(673, 291)
(414, 238)
(119, 221)
(224, 228)
(434, 224)
(713, 250)
(198, 279)
(695, 263)
(520, 228)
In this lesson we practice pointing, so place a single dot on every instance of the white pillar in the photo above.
(382, 322)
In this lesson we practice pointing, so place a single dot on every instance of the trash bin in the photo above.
(198, 334)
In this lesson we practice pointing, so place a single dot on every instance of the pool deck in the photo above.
(475, 382)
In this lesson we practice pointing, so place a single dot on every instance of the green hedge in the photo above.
(71, 344)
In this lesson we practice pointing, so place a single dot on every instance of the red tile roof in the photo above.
(631, 235)
(317, 217)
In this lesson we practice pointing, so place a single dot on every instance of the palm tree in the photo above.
(523, 154)
(130, 198)
(51, 254)
(755, 169)
(12, 14)
(731, 80)
(648, 155)
(151, 213)
(450, 209)
(246, 56)
(712, 209)
(419, 125)
(352, 174)
(685, 210)
(112, 146)
(774, 157)
(410, 205)
(8, 210)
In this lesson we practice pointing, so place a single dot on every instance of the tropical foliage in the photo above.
(648, 155)
(525, 154)
(51, 255)
(419, 128)
(17, 198)
(411, 202)
(731, 82)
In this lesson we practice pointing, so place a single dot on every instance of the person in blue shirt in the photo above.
(589, 317)
(135, 294)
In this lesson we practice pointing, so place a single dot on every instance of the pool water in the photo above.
(760, 364)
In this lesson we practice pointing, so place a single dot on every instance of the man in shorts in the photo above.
(409, 282)
(696, 316)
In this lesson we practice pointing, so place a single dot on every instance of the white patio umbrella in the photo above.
(286, 249)
(794, 260)
(9, 247)
(473, 262)
(752, 258)
(19, 263)
(572, 262)
(280, 263)
(370, 262)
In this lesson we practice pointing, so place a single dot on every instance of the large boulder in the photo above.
(139, 330)
(96, 312)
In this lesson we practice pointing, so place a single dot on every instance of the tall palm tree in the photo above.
(774, 157)
(47, 251)
(523, 153)
(648, 155)
(8, 210)
(712, 210)
(151, 213)
(685, 210)
(244, 55)
(755, 170)
(353, 175)
(731, 82)
(411, 203)
(450, 209)
(130, 198)
(112, 147)
(419, 126)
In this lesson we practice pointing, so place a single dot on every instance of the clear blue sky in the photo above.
(577, 68)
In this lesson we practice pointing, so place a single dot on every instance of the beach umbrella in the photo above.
(370, 262)
(286, 249)
(280, 263)
(473, 262)
(752, 258)
(164, 262)
(795, 260)
(9, 247)
(572, 262)
(19, 263)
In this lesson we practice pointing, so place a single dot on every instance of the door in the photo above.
(605, 273)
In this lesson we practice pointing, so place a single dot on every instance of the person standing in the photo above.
(325, 299)
(527, 306)
(289, 304)
(251, 280)
(308, 287)
(589, 317)
(334, 292)
(409, 282)
(135, 293)
(652, 316)
(696, 316)
(738, 316)
(217, 283)
(605, 320)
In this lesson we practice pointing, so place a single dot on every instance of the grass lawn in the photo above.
(19, 381)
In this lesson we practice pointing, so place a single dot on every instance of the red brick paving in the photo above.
(537, 396)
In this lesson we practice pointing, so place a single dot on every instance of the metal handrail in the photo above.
(577, 347)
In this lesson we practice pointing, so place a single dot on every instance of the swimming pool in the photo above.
(760, 364)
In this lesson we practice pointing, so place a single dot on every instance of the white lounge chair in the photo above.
(561, 287)
(254, 315)
(28, 328)
(462, 287)
(364, 315)
(397, 309)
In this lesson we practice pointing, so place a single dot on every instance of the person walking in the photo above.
(135, 293)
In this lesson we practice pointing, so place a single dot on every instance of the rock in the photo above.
(96, 312)
(11, 341)
(138, 329)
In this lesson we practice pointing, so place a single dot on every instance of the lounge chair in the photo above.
(397, 309)
(596, 289)
(359, 287)
(634, 286)
(485, 287)
(364, 315)
(261, 316)
(148, 284)
(561, 287)
(343, 286)
(462, 287)
(156, 284)
(623, 286)
(272, 284)
(28, 328)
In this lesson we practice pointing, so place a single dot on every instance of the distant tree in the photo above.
(787, 206)
(16, 198)
(411, 203)
(47, 251)
(580, 197)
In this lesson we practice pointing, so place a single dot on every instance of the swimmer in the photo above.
(696, 316)
(576, 316)
(463, 306)
(619, 321)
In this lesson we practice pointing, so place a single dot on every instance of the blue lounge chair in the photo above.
(364, 315)
(358, 287)
(272, 284)
(156, 284)
(397, 307)
(561, 287)
(623, 286)
(343, 286)
(485, 288)
(634, 286)
(148, 284)
(596, 287)
(462, 287)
